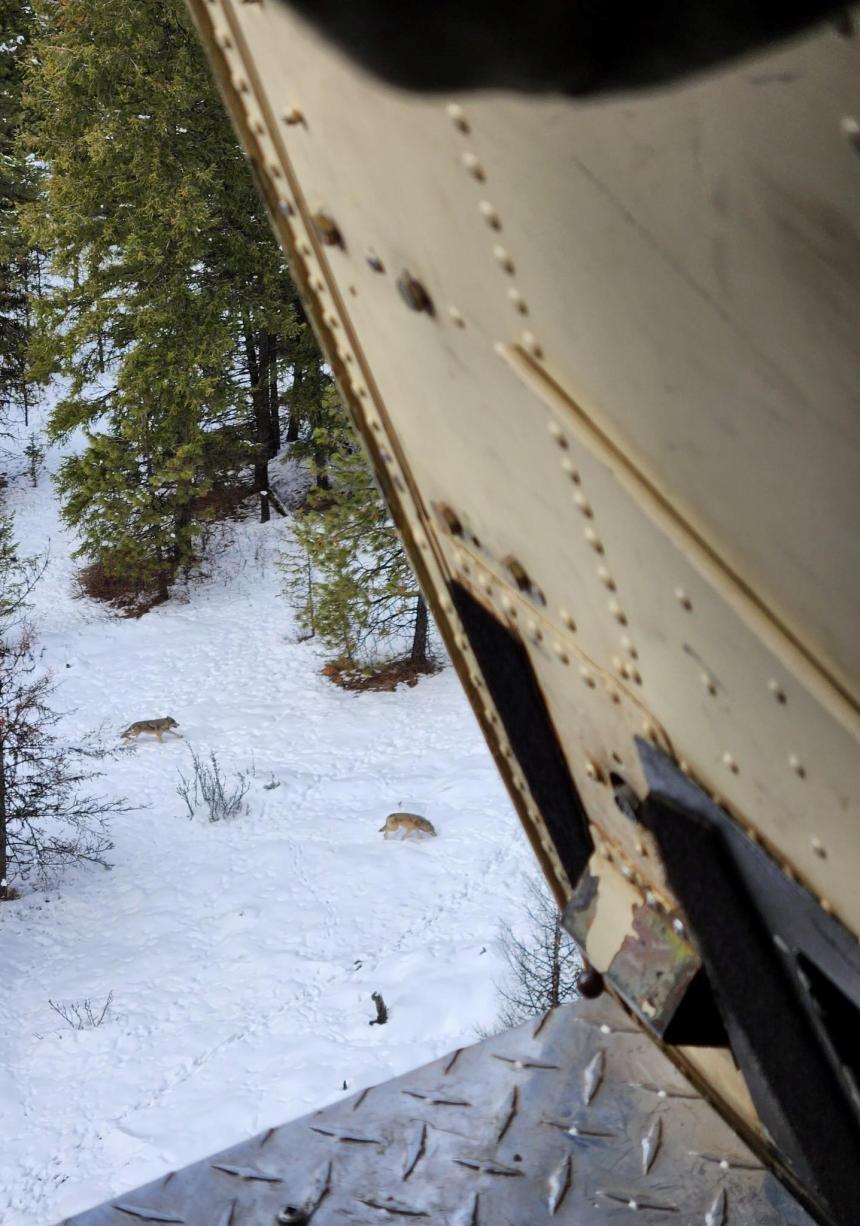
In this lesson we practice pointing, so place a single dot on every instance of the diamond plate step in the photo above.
(577, 1118)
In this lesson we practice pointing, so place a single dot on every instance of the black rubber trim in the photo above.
(757, 933)
(505, 665)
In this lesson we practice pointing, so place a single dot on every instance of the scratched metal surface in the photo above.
(577, 1118)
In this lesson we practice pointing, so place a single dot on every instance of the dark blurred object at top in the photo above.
(569, 46)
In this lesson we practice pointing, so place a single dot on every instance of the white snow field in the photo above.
(241, 955)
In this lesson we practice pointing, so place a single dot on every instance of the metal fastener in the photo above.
(450, 519)
(489, 214)
(457, 116)
(327, 230)
(374, 263)
(414, 294)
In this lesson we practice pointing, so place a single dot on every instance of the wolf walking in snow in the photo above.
(157, 727)
(411, 823)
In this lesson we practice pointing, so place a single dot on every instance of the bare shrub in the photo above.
(83, 1014)
(209, 787)
(542, 965)
(130, 597)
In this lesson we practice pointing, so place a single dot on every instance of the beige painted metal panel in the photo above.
(636, 376)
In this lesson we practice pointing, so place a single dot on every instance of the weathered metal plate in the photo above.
(577, 1118)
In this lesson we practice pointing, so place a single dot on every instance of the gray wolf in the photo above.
(157, 727)
(411, 823)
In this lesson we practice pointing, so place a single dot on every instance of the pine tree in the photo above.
(174, 313)
(48, 815)
(358, 592)
(19, 265)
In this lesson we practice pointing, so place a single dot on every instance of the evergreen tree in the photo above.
(356, 590)
(19, 265)
(48, 816)
(174, 315)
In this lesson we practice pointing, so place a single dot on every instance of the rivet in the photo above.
(508, 605)
(627, 644)
(641, 849)
(619, 665)
(617, 612)
(413, 293)
(462, 562)
(650, 898)
(708, 682)
(450, 519)
(293, 116)
(285, 208)
(593, 540)
(826, 905)
(593, 770)
(274, 170)
(374, 263)
(502, 258)
(224, 39)
(683, 599)
(678, 925)
(797, 766)
(240, 83)
(567, 620)
(587, 677)
(777, 691)
(472, 164)
(257, 126)
(626, 871)
(519, 574)
(319, 285)
(487, 584)
(818, 847)
(456, 318)
(490, 215)
(649, 730)
(569, 468)
(614, 696)
(557, 433)
(558, 648)
(850, 128)
(534, 630)
(605, 578)
(530, 343)
(584, 505)
(457, 116)
(305, 249)
(517, 301)
(462, 642)
(729, 761)
(448, 606)
(421, 540)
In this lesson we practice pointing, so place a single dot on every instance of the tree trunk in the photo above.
(555, 983)
(262, 421)
(3, 853)
(294, 420)
(274, 399)
(418, 655)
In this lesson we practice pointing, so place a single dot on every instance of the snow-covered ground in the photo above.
(241, 956)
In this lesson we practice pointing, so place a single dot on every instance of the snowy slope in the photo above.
(241, 956)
